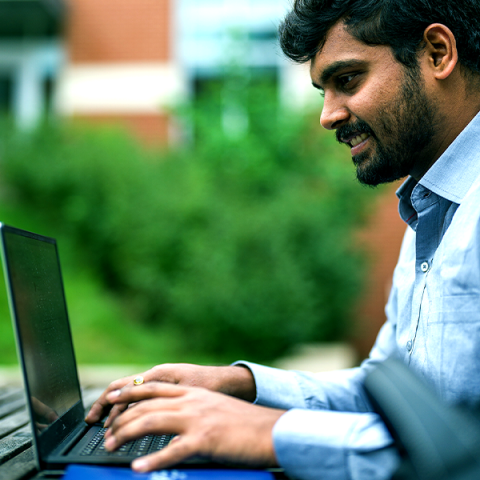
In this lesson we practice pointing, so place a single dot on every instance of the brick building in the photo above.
(120, 64)
(127, 61)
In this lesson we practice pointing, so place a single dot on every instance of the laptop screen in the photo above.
(43, 330)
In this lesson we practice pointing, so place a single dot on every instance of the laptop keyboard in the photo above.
(134, 448)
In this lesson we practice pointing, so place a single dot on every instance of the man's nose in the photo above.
(334, 114)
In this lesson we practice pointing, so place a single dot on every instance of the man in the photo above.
(401, 85)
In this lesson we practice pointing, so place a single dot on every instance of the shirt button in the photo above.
(424, 267)
(409, 345)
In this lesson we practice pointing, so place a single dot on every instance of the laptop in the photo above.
(45, 349)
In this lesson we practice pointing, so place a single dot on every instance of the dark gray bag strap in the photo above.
(436, 441)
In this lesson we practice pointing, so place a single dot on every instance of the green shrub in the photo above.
(238, 239)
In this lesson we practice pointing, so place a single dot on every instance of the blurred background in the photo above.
(201, 212)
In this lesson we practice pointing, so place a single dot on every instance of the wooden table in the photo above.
(16, 455)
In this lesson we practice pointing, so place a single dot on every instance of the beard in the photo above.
(409, 126)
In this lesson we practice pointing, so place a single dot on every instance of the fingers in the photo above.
(154, 398)
(156, 411)
(178, 450)
(131, 393)
(116, 410)
(181, 448)
(139, 425)
(102, 405)
(222, 379)
(96, 412)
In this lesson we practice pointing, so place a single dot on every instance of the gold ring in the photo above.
(138, 381)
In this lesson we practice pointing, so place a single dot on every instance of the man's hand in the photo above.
(208, 424)
(235, 381)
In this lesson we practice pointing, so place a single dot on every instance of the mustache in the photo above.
(353, 129)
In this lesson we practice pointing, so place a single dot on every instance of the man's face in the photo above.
(377, 107)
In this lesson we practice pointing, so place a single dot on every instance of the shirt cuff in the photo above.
(334, 445)
(275, 388)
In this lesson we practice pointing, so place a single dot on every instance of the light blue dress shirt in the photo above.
(433, 325)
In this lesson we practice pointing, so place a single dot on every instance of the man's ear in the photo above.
(440, 50)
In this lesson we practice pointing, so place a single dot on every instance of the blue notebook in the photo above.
(81, 472)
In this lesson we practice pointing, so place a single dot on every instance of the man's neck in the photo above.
(449, 128)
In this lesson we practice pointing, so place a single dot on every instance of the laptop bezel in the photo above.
(70, 422)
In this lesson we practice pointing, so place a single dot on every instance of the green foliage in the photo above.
(237, 242)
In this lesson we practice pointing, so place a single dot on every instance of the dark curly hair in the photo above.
(399, 24)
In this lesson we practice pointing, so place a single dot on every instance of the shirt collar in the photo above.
(452, 175)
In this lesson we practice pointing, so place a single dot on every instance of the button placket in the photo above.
(424, 296)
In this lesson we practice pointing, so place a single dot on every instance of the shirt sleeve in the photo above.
(330, 430)
(340, 390)
(334, 445)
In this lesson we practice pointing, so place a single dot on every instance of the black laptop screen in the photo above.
(38, 300)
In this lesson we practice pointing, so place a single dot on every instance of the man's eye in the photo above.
(344, 80)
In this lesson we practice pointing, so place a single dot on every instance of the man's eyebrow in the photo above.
(335, 67)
